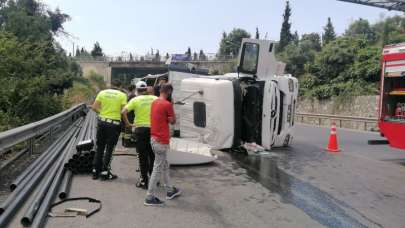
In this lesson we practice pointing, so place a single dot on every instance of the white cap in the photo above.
(141, 84)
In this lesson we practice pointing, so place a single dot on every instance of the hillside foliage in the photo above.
(348, 64)
(34, 70)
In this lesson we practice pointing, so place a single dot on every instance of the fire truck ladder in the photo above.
(398, 5)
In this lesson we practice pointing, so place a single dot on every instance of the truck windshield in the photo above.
(249, 58)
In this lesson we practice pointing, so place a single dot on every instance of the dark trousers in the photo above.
(145, 152)
(107, 138)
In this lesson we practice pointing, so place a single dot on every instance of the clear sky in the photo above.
(173, 25)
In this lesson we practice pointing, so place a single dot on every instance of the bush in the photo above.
(79, 93)
(34, 69)
(347, 66)
(96, 80)
(8, 121)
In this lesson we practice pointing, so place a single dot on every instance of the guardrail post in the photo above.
(50, 134)
(31, 146)
(319, 121)
(365, 125)
(340, 123)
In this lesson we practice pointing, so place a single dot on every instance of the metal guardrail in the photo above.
(337, 118)
(28, 132)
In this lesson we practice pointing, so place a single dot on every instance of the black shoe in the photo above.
(173, 193)
(153, 201)
(141, 184)
(96, 175)
(107, 175)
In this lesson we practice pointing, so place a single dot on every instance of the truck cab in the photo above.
(257, 60)
(254, 105)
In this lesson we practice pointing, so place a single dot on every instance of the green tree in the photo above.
(195, 56)
(312, 41)
(97, 51)
(34, 69)
(329, 33)
(366, 66)
(294, 57)
(285, 34)
(257, 36)
(202, 56)
(223, 46)
(31, 7)
(57, 19)
(295, 38)
(23, 19)
(188, 53)
(361, 29)
(299, 54)
(391, 30)
(347, 65)
(231, 43)
(331, 63)
(167, 55)
(157, 56)
(77, 52)
(84, 52)
(39, 75)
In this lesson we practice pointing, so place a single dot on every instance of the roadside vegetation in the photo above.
(329, 65)
(36, 75)
(83, 89)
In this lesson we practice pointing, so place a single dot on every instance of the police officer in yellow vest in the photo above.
(141, 105)
(108, 105)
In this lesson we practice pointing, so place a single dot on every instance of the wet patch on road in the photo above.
(270, 171)
(396, 161)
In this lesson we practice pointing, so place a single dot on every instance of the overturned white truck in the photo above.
(256, 105)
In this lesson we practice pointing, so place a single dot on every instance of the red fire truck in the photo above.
(392, 97)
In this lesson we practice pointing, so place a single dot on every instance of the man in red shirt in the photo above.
(162, 115)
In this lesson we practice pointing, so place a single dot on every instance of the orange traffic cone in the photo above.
(333, 143)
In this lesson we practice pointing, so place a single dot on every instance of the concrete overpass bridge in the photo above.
(125, 71)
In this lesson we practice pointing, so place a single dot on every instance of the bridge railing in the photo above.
(40, 129)
(162, 59)
(354, 122)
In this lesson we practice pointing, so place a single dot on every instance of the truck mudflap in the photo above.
(187, 151)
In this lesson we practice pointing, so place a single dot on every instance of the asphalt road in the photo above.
(362, 186)
(299, 186)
